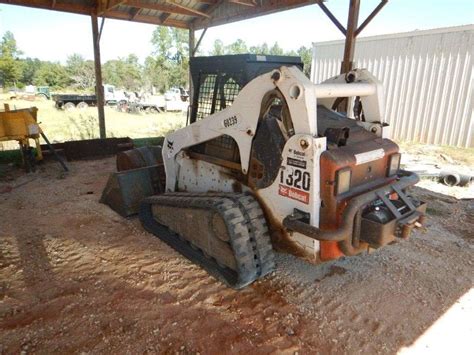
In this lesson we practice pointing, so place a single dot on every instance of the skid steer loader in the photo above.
(266, 162)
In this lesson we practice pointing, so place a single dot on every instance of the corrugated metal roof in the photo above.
(415, 33)
(194, 14)
(428, 78)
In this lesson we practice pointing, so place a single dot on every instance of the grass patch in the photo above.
(61, 126)
(460, 155)
(141, 142)
(11, 156)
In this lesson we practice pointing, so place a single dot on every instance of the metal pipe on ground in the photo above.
(455, 179)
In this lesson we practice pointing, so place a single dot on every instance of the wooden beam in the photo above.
(250, 3)
(110, 5)
(46, 4)
(100, 5)
(177, 23)
(99, 89)
(211, 9)
(196, 47)
(164, 17)
(186, 8)
(173, 9)
(332, 17)
(101, 28)
(371, 16)
(266, 7)
(154, 20)
(134, 13)
(88, 10)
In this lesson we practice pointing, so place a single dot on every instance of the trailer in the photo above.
(139, 107)
(71, 101)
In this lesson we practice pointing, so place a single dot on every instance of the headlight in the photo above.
(394, 164)
(343, 180)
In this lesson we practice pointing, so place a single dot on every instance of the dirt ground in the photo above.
(75, 277)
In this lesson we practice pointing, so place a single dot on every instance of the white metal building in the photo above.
(428, 78)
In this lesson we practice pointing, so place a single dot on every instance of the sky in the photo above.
(51, 35)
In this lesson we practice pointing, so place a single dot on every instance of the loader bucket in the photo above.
(126, 189)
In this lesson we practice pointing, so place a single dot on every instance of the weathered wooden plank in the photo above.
(173, 8)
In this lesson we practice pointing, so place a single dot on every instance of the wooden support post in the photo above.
(352, 21)
(351, 32)
(191, 54)
(346, 65)
(99, 89)
(196, 47)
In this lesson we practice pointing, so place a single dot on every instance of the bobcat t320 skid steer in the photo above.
(266, 162)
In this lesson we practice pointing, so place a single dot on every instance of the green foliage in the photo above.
(218, 48)
(161, 40)
(53, 75)
(9, 156)
(239, 47)
(30, 67)
(155, 74)
(169, 64)
(143, 142)
(260, 49)
(8, 45)
(87, 127)
(276, 50)
(81, 71)
(10, 66)
(123, 72)
(306, 55)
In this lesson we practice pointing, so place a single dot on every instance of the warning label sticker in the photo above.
(367, 157)
(296, 163)
(294, 194)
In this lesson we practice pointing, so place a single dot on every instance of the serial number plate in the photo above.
(231, 121)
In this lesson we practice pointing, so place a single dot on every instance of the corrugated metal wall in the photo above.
(427, 76)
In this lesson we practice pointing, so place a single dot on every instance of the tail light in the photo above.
(394, 164)
(343, 180)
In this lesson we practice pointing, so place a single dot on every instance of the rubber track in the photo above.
(245, 223)
(259, 230)
(257, 225)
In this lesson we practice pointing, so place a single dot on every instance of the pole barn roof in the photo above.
(192, 14)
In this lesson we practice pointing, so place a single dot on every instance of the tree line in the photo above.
(166, 67)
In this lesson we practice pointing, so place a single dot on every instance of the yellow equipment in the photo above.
(21, 125)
